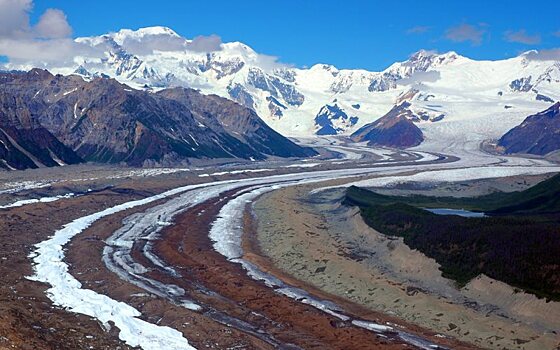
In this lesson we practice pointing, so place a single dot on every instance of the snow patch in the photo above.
(23, 202)
(233, 172)
(67, 292)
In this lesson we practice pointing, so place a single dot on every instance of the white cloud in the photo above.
(421, 77)
(202, 43)
(466, 32)
(150, 43)
(46, 43)
(522, 37)
(269, 63)
(544, 55)
(42, 53)
(418, 30)
(14, 18)
(53, 25)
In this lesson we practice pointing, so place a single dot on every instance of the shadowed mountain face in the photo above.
(538, 134)
(24, 142)
(394, 129)
(105, 121)
(241, 122)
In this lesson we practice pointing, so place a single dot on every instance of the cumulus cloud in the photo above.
(147, 44)
(53, 25)
(46, 43)
(14, 18)
(418, 30)
(43, 53)
(270, 63)
(151, 43)
(419, 77)
(203, 43)
(466, 32)
(544, 55)
(522, 37)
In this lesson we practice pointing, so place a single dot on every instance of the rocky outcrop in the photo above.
(421, 61)
(239, 94)
(544, 98)
(258, 79)
(333, 120)
(104, 121)
(394, 129)
(538, 134)
(275, 108)
(521, 84)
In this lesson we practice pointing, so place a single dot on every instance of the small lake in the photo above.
(460, 212)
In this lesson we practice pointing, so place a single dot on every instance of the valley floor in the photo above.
(329, 246)
(109, 257)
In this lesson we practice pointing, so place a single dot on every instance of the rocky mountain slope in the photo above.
(65, 119)
(24, 142)
(538, 134)
(394, 129)
(450, 90)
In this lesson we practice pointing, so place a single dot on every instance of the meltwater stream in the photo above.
(459, 212)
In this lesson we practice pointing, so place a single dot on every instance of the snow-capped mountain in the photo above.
(442, 89)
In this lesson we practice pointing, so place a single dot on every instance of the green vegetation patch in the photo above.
(519, 243)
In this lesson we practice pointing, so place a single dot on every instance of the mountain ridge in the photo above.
(394, 129)
(103, 120)
(538, 134)
(451, 89)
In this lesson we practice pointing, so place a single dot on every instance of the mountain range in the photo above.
(442, 88)
(150, 96)
(48, 120)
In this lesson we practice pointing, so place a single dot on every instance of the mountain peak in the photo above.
(434, 57)
(39, 74)
(140, 33)
(154, 30)
(555, 108)
(325, 67)
(423, 53)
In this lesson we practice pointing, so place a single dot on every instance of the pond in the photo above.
(460, 212)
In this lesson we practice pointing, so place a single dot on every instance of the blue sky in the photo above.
(348, 34)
